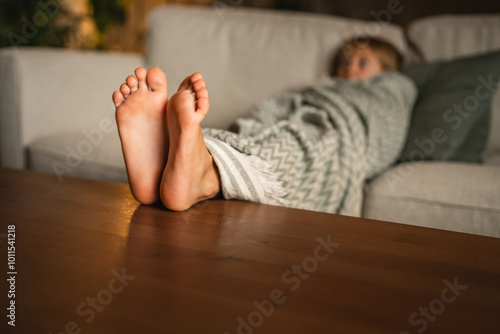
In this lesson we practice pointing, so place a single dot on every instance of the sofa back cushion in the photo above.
(445, 37)
(246, 55)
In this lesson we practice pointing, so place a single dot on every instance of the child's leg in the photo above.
(141, 118)
(190, 175)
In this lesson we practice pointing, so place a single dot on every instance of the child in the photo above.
(169, 158)
(363, 57)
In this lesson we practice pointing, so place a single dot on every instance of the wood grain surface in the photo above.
(90, 259)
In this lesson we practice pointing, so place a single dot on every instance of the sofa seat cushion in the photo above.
(453, 196)
(89, 155)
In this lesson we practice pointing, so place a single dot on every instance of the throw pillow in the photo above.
(451, 116)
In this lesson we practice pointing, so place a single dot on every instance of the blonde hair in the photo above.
(387, 54)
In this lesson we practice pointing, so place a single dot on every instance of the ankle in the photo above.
(211, 182)
(205, 187)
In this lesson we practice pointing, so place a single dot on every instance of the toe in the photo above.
(140, 73)
(202, 93)
(118, 98)
(203, 105)
(195, 77)
(203, 101)
(185, 84)
(199, 84)
(125, 90)
(157, 80)
(132, 83)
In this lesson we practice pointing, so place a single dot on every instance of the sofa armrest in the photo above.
(45, 91)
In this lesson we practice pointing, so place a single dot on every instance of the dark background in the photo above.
(411, 9)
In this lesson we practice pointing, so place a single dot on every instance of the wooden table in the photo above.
(90, 259)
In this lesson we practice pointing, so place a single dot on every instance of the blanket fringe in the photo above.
(272, 186)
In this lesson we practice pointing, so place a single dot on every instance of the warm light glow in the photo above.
(86, 35)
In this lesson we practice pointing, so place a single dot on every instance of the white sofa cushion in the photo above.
(247, 55)
(491, 154)
(453, 36)
(91, 153)
(452, 196)
(47, 91)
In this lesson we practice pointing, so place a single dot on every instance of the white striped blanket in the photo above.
(315, 149)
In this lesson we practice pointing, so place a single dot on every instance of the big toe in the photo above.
(157, 80)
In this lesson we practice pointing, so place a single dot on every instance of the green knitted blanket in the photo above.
(315, 149)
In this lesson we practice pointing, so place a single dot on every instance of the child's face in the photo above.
(362, 63)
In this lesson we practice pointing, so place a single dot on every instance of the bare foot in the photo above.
(190, 175)
(141, 118)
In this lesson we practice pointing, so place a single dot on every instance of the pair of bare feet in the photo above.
(162, 141)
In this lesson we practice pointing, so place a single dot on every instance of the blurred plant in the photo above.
(35, 23)
(48, 23)
(108, 13)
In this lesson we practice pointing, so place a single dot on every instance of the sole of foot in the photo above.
(141, 117)
(190, 175)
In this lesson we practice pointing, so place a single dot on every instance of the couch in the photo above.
(56, 113)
